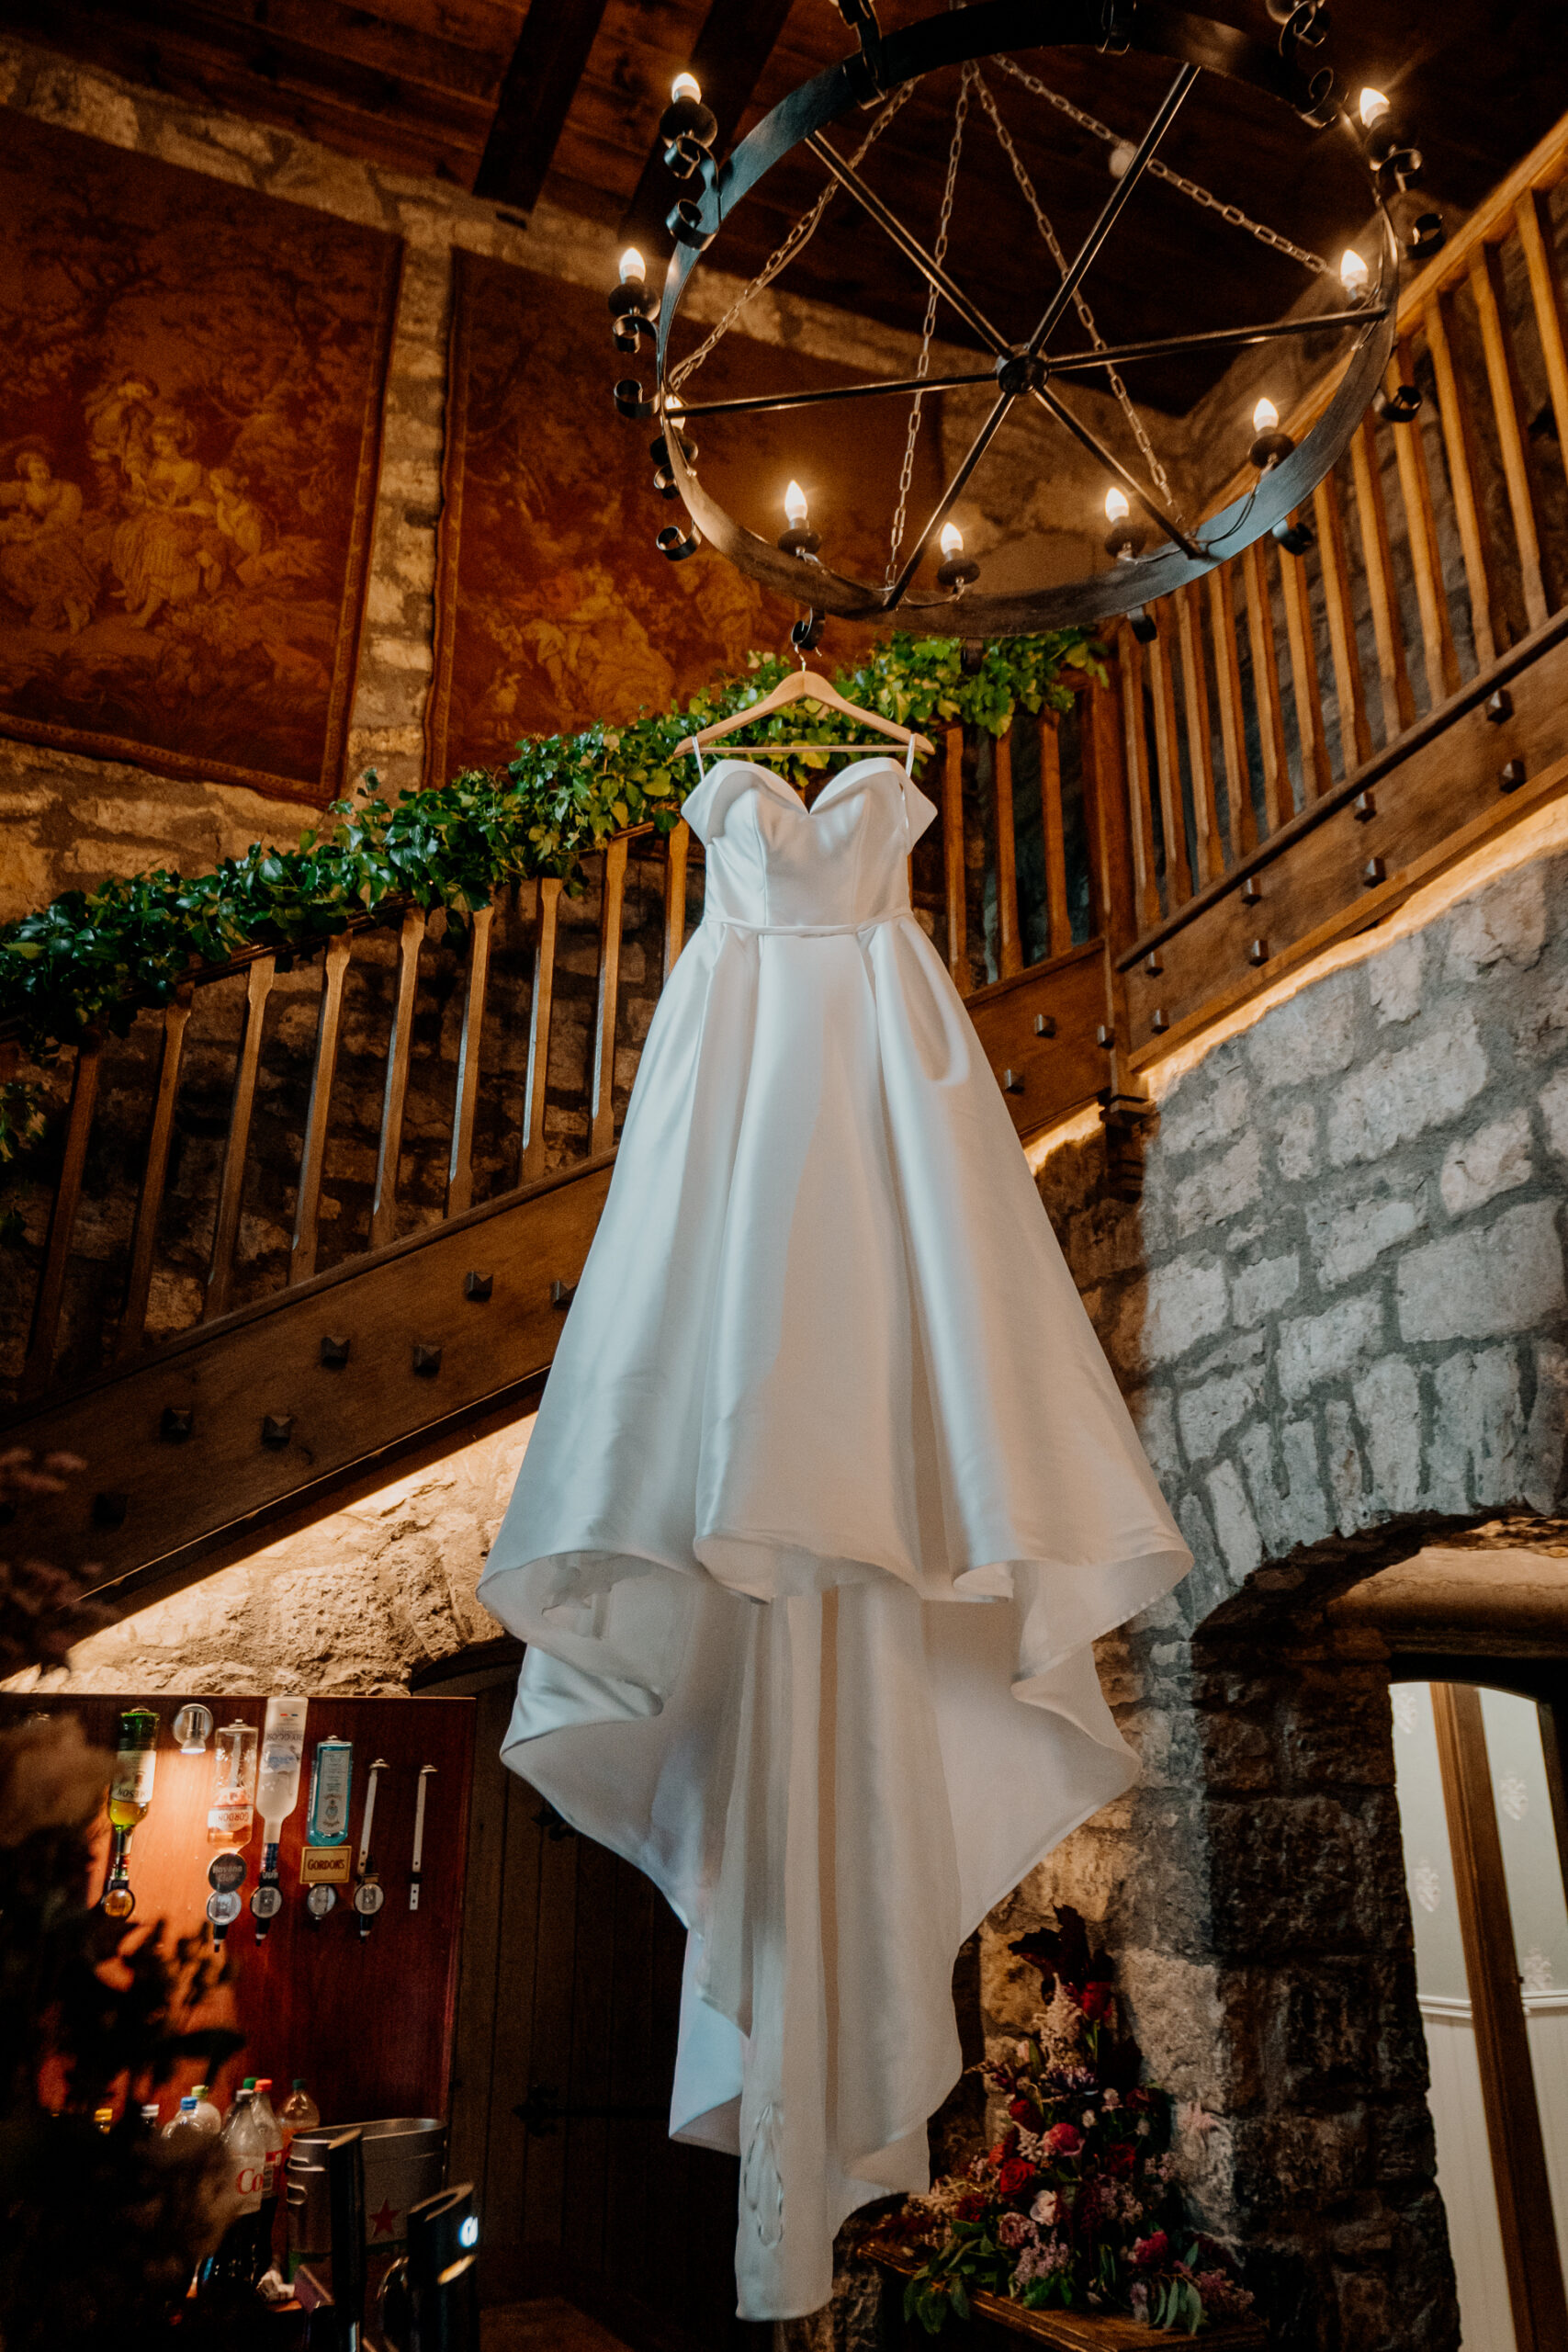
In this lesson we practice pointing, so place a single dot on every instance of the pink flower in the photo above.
(1046, 2207)
(1063, 2139)
(1013, 2231)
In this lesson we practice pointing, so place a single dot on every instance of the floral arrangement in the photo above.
(1078, 2203)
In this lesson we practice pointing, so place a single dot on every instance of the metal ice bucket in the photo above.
(405, 2159)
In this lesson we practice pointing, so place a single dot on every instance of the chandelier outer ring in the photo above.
(954, 37)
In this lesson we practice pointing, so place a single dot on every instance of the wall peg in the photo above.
(334, 1353)
(276, 1429)
(426, 1359)
(478, 1286)
(1513, 773)
(176, 1424)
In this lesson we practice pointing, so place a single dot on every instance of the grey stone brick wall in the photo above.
(1339, 1315)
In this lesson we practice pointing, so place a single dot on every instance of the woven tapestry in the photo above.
(554, 608)
(191, 380)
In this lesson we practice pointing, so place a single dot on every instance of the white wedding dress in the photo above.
(829, 1493)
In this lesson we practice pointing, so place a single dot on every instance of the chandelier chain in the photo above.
(1231, 213)
(944, 224)
(798, 238)
(1156, 471)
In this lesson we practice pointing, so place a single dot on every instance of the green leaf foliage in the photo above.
(93, 958)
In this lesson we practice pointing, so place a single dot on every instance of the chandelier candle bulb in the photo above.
(1116, 507)
(953, 572)
(1269, 444)
(800, 539)
(1124, 538)
(634, 270)
(1354, 275)
(1371, 106)
(686, 86)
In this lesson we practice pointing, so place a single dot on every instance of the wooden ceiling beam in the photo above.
(729, 58)
(535, 97)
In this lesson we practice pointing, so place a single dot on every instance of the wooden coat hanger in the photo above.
(804, 685)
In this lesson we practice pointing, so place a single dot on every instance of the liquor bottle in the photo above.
(231, 1808)
(228, 2275)
(278, 1793)
(148, 2113)
(299, 2111)
(130, 1794)
(332, 1776)
(272, 2171)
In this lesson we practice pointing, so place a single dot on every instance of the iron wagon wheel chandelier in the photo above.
(1156, 549)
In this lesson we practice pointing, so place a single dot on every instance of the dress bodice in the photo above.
(774, 865)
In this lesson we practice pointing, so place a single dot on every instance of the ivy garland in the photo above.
(94, 959)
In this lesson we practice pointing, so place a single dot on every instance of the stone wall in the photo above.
(1340, 1314)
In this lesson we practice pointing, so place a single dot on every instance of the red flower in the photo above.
(1120, 2158)
(1020, 2111)
(1097, 2000)
(1149, 2253)
(1063, 2139)
(1015, 2174)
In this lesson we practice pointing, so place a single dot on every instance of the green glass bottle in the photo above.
(130, 1794)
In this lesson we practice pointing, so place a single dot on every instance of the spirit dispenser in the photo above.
(231, 1811)
(130, 1794)
(278, 1793)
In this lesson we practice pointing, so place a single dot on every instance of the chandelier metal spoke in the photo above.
(944, 507)
(1113, 464)
(1111, 211)
(1120, 355)
(909, 245)
(832, 392)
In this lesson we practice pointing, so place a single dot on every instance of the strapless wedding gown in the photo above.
(829, 1493)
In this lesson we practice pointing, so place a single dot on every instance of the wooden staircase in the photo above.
(311, 1217)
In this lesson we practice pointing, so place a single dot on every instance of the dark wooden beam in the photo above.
(536, 98)
(727, 57)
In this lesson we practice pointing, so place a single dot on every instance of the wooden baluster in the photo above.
(1534, 224)
(1177, 873)
(531, 1165)
(155, 1177)
(1503, 382)
(1355, 735)
(1200, 741)
(1136, 757)
(1316, 773)
(40, 1361)
(1112, 876)
(676, 848)
(1009, 954)
(1054, 840)
(953, 883)
(601, 1133)
(461, 1166)
(1233, 716)
(1459, 447)
(318, 1118)
(1398, 703)
(1279, 801)
(236, 1148)
(1416, 490)
(383, 1207)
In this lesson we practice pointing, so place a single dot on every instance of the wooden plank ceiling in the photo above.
(558, 100)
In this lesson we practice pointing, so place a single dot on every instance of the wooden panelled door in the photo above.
(567, 2017)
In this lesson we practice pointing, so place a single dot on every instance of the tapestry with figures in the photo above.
(191, 381)
(554, 608)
